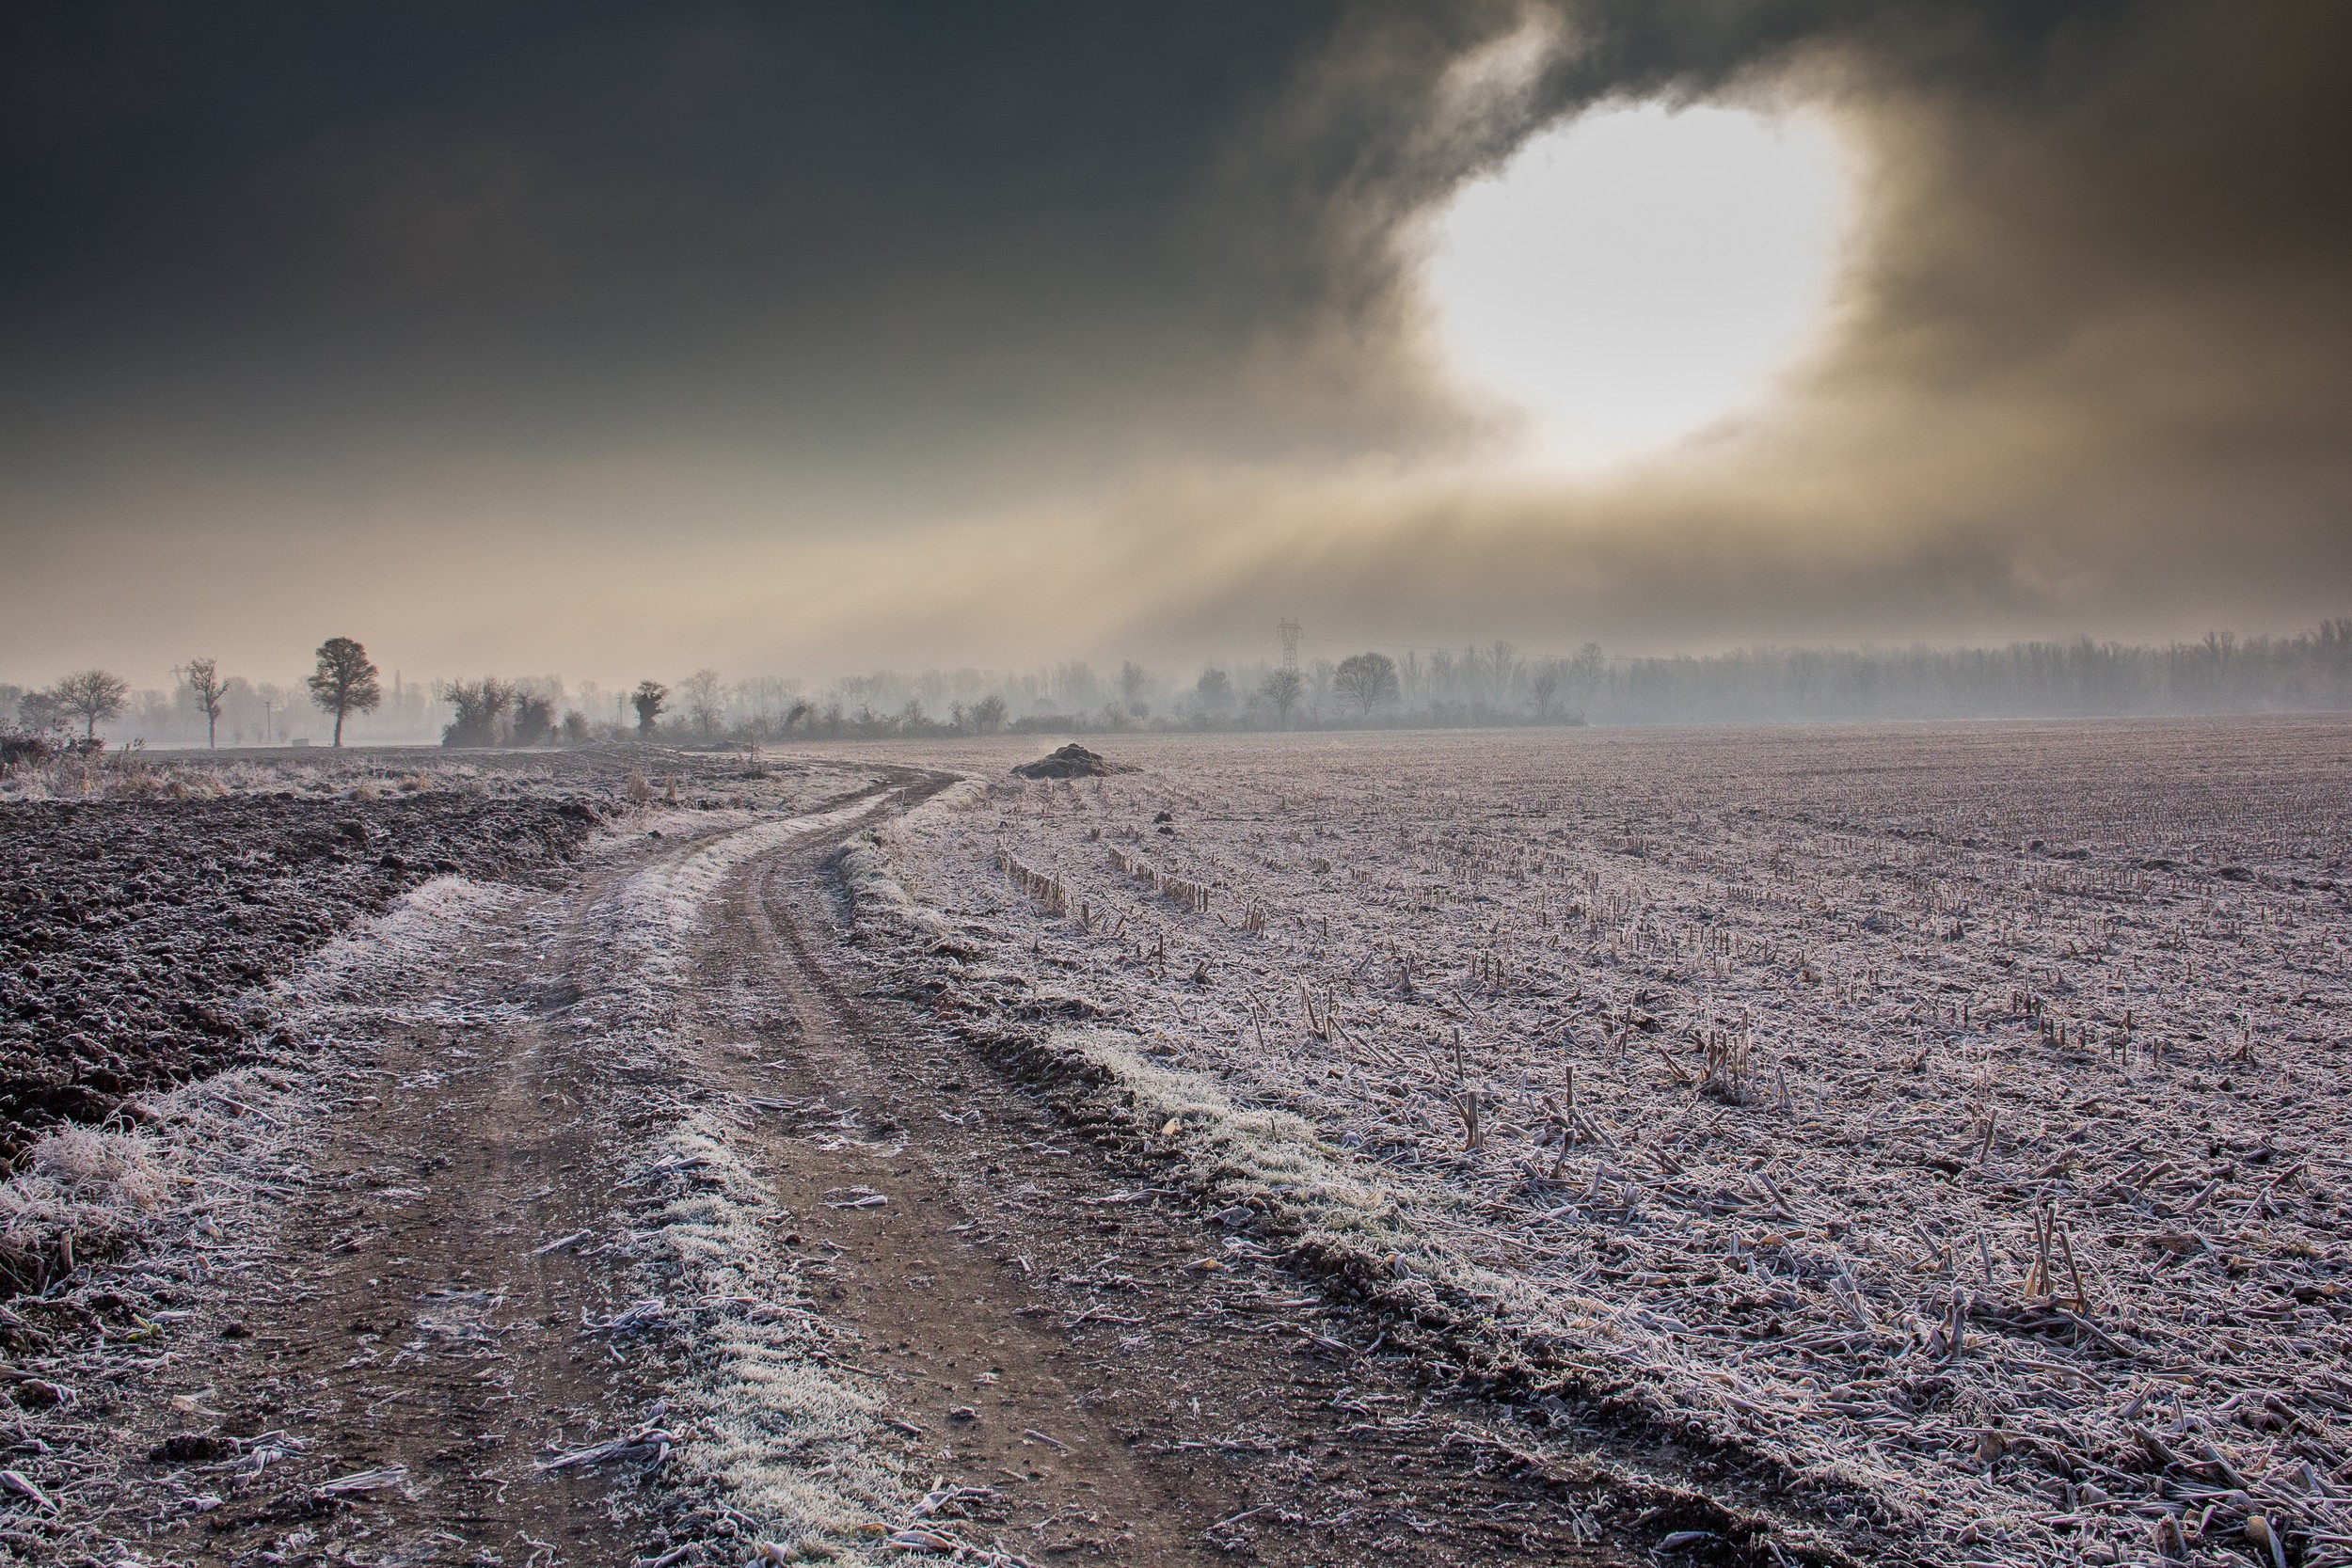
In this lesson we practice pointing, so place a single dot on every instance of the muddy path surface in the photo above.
(465, 1335)
(1131, 1381)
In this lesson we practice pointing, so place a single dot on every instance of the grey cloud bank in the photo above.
(537, 337)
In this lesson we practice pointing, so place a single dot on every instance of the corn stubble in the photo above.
(1956, 1114)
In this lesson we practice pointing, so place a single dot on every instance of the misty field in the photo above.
(1953, 1117)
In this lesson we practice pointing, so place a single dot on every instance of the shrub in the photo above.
(481, 706)
(535, 719)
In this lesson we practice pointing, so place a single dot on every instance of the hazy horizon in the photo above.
(1497, 684)
(287, 675)
(607, 339)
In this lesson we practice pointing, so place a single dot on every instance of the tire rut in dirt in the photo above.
(1047, 1324)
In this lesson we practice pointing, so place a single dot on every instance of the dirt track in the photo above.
(438, 1309)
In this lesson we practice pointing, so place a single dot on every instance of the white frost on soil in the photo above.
(657, 911)
(783, 1440)
(1847, 1010)
(191, 1154)
(194, 1187)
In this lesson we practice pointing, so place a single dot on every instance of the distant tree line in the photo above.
(2311, 672)
(1494, 684)
(1491, 685)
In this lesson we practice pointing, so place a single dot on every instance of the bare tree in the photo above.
(988, 714)
(1214, 690)
(766, 696)
(1544, 682)
(647, 700)
(202, 678)
(1586, 670)
(1503, 669)
(703, 704)
(1134, 681)
(1367, 679)
(345, 682)
(94, 694)
(1283, 688)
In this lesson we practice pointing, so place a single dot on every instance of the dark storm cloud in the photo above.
(524, 274)
(887, 219)
(853, 223)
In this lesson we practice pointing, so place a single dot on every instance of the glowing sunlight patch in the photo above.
(1636, 274)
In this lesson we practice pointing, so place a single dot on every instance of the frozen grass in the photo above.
(86, 1191)
(116, 1171)
(81, 1194)
(1954, 1118)
(867, 863)
(199, 775)
(175, 1208)
(774, 1432)
(86, 1194)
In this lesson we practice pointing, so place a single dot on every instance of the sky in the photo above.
(620, 340)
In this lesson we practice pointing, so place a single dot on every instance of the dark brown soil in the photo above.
(129, 930)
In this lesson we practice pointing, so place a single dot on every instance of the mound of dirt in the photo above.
(1073, 761)
(134, 934)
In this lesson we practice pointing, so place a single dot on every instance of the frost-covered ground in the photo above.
(1955, 1115)
(142, 918)
(460, 1022)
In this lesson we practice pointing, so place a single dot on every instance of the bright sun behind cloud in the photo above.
(1638, 273)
